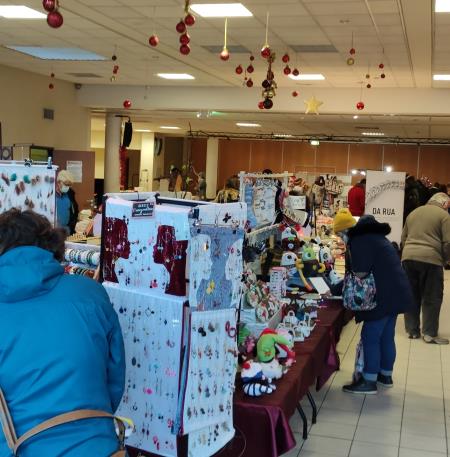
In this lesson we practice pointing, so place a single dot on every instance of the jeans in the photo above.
(427, 284)
(379, 347)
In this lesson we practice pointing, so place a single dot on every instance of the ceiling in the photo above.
(405, 35)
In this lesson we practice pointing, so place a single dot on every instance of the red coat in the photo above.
(357, 200)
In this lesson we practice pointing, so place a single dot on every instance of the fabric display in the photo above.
(210, 440)
(28, 188)
(215, 256)
(88, 257)
(152, 327)
(146, 252)
(80, 271)
(231, 215)
(333, 186)
(211, 370)
(252, 222)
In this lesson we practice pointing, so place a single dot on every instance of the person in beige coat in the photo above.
(425, 251)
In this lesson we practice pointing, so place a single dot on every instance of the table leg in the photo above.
(313, 406)
(304, 420)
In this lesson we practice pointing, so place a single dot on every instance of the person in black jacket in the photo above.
(371, 251)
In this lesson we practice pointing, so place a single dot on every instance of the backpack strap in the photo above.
(7, 423)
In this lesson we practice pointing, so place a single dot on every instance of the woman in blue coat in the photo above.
(61, 347)
(371, 251)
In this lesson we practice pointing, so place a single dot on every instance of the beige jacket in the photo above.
(426, 235)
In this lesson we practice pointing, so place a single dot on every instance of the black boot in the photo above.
(385, 381)
(361, 387)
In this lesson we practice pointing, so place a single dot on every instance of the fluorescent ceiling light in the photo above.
(306, 77)
(441, 77)
(175, 76)
(221, 10)
(247, 124)
(442, 6)
(57, 53)
(143, 130)
(169, 127)
(20, 12)
(314, 142)
(372, 133)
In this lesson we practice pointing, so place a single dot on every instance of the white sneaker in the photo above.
(435, 340)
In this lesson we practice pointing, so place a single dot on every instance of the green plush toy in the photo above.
(266, 345)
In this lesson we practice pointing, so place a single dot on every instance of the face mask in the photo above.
(65, 189)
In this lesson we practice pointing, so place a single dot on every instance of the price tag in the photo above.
(143, 209)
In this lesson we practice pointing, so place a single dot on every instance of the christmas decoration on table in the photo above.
(225, 55)
(269, 85)
(313, 105)
(352, 52)
(254, 382)
(54, 17)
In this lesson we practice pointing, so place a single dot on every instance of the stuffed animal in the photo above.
(309, 264)
(272, 369)
(325, 257)
(266, 346)
(255, 383)
(289, 239)
(295, 273)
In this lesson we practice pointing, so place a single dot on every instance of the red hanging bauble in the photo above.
(287, 70)
(51, 86)
(189, 20)
(239, 70)
(381, 66)
(249, 82)
(224, 55)
(252, 58)
(49, 5)
(116, 69)
(185, 38)
(268, 103)
(285, 58)
(55, 19)
(295, 72)
(266, 84)
(153, 40)
(127, 104)
(181, 26)
(250, 69)
(295, 93)
(265, 52)
(185, 49)
(352, 51)
(360, 105)
(382, 76)
(261, 105)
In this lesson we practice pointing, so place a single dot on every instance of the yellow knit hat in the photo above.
(343, 220)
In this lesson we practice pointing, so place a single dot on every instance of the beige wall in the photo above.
(23, 97)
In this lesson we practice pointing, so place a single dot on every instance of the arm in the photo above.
(404, 235)
(446, 238)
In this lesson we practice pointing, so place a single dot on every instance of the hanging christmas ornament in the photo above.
(181, 26)
(250, 69)
(266, 84)
(153, 41)
(295, 72)
(112, 79)
(360, 106)
(51, 86)
(265, 51)
(249, 82)
(269, 85)
(115, 69)
(295, 93)
(367, 76)
(381, 66)
(55, 19)
(261, 105)
(285, 58)
(313, 105)
(49, 5)
(350, 61)
(114, 58)
(252, 58)
(239, 70)
(52, 75)
(369, 86)
(382, 76)
(127, 104)
(185, 38)
(268, 103)
(225, 55)
(185, 49)
(189, 20)
(352, 51)
(287, 70)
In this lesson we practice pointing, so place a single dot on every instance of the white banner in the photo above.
(385, 194)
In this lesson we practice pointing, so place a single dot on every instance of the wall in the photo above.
(237, 155)
(24, 95)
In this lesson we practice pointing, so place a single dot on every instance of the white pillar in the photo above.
(212, 160)
(112, 146)
(146, 167)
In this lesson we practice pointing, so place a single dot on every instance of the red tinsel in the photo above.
(123, 167)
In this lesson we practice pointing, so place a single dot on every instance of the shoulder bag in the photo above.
(14, 443)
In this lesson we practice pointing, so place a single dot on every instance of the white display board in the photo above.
(385, 194)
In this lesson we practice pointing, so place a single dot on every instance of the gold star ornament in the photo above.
(313, 105)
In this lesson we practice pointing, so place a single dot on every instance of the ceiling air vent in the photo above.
(319, 48)
(217, 49)
(49, 114)
(84, 75)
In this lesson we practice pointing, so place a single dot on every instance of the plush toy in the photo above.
(272, 369)
(255, 383)
(267, 343)
(325, 257)
(295, 273)
(289, 239)
(309, 264)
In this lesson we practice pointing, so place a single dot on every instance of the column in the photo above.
(112, 146)
(212, 160)
(146, 167)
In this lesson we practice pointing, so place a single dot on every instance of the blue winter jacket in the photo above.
(61, 349)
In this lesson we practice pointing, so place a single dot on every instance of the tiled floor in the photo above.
(410, 420)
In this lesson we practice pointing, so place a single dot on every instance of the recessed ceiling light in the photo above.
(175, 76)
(314, 142)
(247, 124)
(372, 133)
(441, 77)
(169, 127)
(221, 10)
(20, 12)
(355, 116)
(442, 6)
(306, 77)
(388, 169)
(57, 53)
(143, 130)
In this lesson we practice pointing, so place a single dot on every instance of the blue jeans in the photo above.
(379, 347)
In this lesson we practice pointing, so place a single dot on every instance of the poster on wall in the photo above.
(75, 167)
(385, 193)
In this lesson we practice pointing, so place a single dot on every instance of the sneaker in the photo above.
(414, 336)
(435, 340)
(361, 387)
(385, 381)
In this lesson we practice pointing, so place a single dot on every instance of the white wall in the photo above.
(23, 97)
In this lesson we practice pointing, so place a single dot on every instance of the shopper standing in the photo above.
(65, 208)
(357, 198)
(426, 249)
(371, 252)
(61, 347)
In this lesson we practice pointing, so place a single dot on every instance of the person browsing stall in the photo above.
(66, 206)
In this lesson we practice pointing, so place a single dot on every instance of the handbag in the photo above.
(358, 293)
(14, 442)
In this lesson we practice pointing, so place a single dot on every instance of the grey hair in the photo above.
(439, 199)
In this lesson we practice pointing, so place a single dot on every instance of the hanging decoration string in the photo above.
(267, 30)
